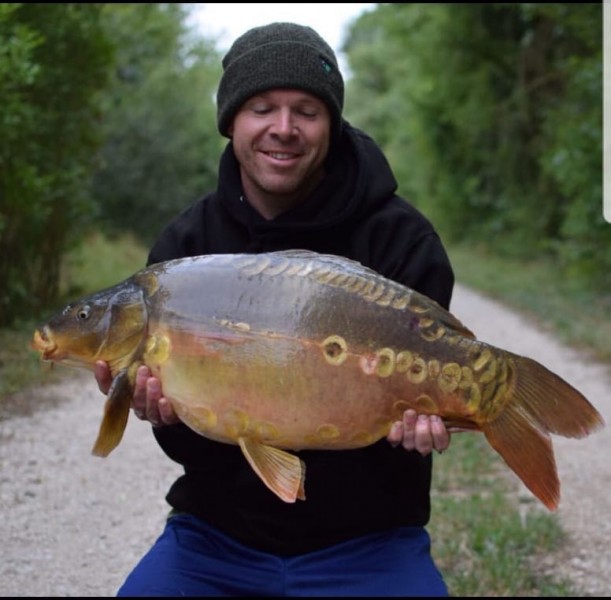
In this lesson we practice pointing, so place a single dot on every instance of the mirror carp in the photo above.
(296, 350)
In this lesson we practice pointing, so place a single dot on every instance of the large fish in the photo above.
(294, 350)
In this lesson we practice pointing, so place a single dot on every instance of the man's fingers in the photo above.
(395, 435)
(423, 439)
(139, 399)
(441, 437)
(153, 393)
(102, 376)
(423, 433)
(166, 412)
(410, 418)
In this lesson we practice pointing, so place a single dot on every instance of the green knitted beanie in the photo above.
(279, 55)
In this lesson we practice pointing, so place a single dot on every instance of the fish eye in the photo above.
(83, 312)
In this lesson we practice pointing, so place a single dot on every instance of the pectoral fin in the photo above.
(116, 412)
(282, 472)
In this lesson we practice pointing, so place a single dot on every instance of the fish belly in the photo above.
(287, 392)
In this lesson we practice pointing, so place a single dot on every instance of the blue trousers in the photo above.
(191, 558)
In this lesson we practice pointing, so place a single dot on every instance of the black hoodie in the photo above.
(355, 213)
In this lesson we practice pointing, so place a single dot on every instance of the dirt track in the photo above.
(74, 525)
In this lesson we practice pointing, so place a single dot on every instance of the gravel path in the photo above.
(74, 524)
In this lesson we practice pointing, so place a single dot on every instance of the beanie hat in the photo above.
(279, 55)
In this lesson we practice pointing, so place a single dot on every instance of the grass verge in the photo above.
(577, 315)
(488, 538)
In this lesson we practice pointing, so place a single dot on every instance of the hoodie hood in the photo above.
(358, 178)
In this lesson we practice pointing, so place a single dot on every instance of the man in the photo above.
(296, 175)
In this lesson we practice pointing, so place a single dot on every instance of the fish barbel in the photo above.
(297, 350)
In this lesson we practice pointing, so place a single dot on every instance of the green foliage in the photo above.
(491, 115)
(107, 119)
(572, 158)
(53, 59)
(578, 314)
(122, 254)
(161, 144)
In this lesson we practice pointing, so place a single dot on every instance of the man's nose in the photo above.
(284, 124)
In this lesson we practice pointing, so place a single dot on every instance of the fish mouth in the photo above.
(44, 343)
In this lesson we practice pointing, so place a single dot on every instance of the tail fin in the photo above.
(528, 452)
(540, 403)
(556, 405)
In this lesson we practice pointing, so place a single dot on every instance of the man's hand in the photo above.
(419, 432)
(148, 403)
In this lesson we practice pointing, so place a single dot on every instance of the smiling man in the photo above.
(296, 175)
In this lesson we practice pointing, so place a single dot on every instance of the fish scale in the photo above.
(283, 351)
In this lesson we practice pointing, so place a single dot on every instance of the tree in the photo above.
(53, 60)
(161, 145)
(491, 115)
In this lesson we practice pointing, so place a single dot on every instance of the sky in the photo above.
(229, 20)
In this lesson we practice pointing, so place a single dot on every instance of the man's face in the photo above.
(281, 139)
